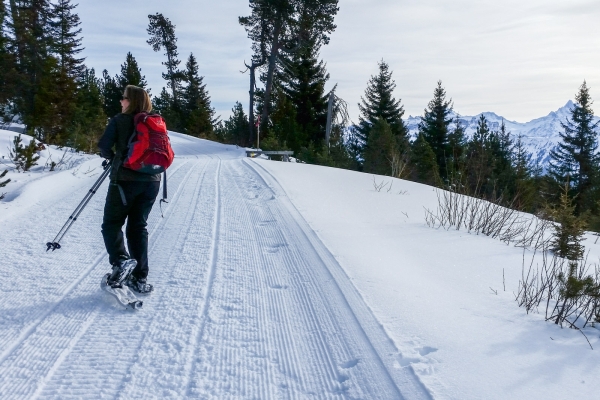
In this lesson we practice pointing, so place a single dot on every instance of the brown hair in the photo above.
(139, 101)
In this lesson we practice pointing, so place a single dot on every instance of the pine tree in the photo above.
(89, 119)
(303, 79)
(111, 94)
(355, 146)
(162, 36)
(163, 104)
(524, 184)
(568, 228)
(131, 74)
(65, 45)
(479, 168)
(576, 158)
(338, 154)
(113, 88)
(31, 43)
(24, 157)
(435, 127)
(501, 146)
(489, 163)
(379, 102)
(457, 142)
(285, 133)
(277, 26)
(424, 166)
(48, 122)
(8, 73)
(566, 243)
(16, 151)
(46, 42)
(521, 159)
(196, 111)
(235, 129)
(380, 148)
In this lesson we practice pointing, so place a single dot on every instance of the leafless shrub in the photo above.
(89, 171)
(65, 161)
(569, 290)
(379, 186)
(399, 162)
(488, 217)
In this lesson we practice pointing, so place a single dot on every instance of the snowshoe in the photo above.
(139, 285)
(121, 271)
(122, 293)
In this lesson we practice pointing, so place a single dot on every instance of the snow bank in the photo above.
(40, 185)
(434, 291)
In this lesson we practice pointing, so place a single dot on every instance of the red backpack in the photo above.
(150, 150)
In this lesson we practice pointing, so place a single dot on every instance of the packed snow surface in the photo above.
(272, 280)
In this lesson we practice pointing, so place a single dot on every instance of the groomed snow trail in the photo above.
(248, 304)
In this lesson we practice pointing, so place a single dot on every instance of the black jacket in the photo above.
(117, 135)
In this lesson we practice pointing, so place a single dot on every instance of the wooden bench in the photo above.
(286, 154)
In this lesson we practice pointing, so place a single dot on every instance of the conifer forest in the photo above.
(46, 86)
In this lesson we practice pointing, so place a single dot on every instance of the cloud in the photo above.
(518, 59)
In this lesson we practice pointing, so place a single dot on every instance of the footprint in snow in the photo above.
(278, 286)
(426, 350)
(350, 364)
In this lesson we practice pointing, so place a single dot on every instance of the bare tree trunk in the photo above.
(172, 73)
(271, 71)
(251, 106)
(252, 69)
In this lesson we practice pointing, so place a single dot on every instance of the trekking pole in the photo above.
(106, 164)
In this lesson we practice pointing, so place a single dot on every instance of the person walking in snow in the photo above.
(130, 196)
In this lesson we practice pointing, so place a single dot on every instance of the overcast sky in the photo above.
(518, 58)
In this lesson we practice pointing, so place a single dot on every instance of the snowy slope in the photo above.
(539, 135)
(273, 280)
(40, 185)
(432, 291)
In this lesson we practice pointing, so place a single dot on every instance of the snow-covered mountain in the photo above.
(539, 135)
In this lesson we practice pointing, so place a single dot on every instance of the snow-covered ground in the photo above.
(273, 280)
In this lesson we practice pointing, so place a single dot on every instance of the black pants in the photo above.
(140, 197)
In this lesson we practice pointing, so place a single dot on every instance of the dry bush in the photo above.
(488, 217)
(569, 290)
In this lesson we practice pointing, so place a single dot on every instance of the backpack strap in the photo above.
(136, 120)
(164, 199)
(121, 193)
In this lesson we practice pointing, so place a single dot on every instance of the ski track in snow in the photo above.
(48, 328)
(249, 304)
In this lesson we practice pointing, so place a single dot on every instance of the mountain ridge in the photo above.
(540, 135)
